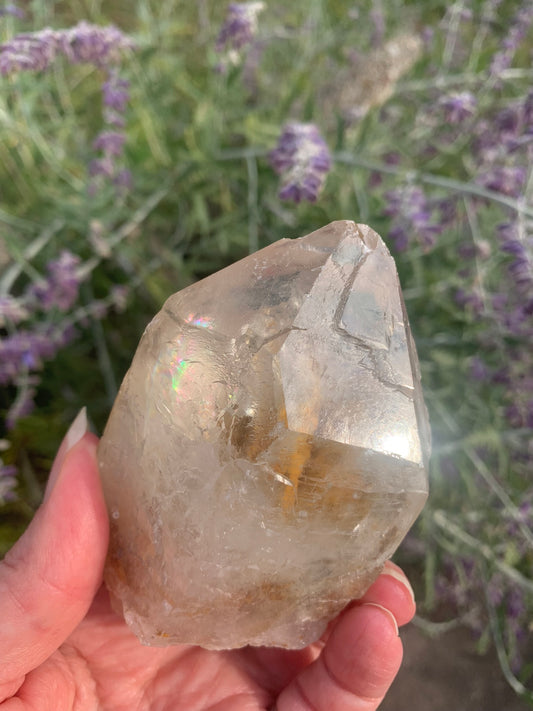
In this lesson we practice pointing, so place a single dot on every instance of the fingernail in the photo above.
(400, 577)
(74, 433)
(389, 613)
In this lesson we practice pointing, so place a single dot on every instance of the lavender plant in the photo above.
(485, 218)
(238, 32)
(131, 165)
(32, 317)
(302, 159)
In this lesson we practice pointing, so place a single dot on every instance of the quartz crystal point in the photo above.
(267, 450)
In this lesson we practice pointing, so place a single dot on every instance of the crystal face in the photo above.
(267, 450)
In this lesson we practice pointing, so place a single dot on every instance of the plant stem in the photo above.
(253, 238)
(511, 679)
(444, 523)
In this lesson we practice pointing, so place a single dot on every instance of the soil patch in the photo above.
(446, 674)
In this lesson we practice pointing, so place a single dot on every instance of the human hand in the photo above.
(64, 649)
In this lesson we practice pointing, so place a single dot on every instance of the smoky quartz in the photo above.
(267, 451)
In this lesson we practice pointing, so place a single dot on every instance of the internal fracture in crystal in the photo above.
(267, 450)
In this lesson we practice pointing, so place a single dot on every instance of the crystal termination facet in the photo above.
(267, 451)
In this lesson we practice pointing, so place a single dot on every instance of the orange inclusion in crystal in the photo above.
(296, 461)
(293, 471)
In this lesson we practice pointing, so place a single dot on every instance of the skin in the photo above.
(64, 649)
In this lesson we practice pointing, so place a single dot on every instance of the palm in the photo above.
(128, 675)
(63, 648)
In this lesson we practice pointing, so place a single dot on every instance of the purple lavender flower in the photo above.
(109, 142)
(115, 93)
(7, 470)
(458, 106)
(123, 179)
(92, 44)
(517, 32)
(521, 249)
(240, 25)
(29, 52)
(515, 604)
(60, 289)
(412, 215)
(87, 43)
(13, 10)
(16, 354)
(500, 139)
(8, 482)
(508, 122)
(516, 415)
(102, 167)
(471, 300)
(102, 47)
(12, 310)
(23, 351)
(106, 168)
(508, 180)
(302, 159)
(238, 31)
(399, 237)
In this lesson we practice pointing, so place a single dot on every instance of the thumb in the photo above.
(50, 576)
